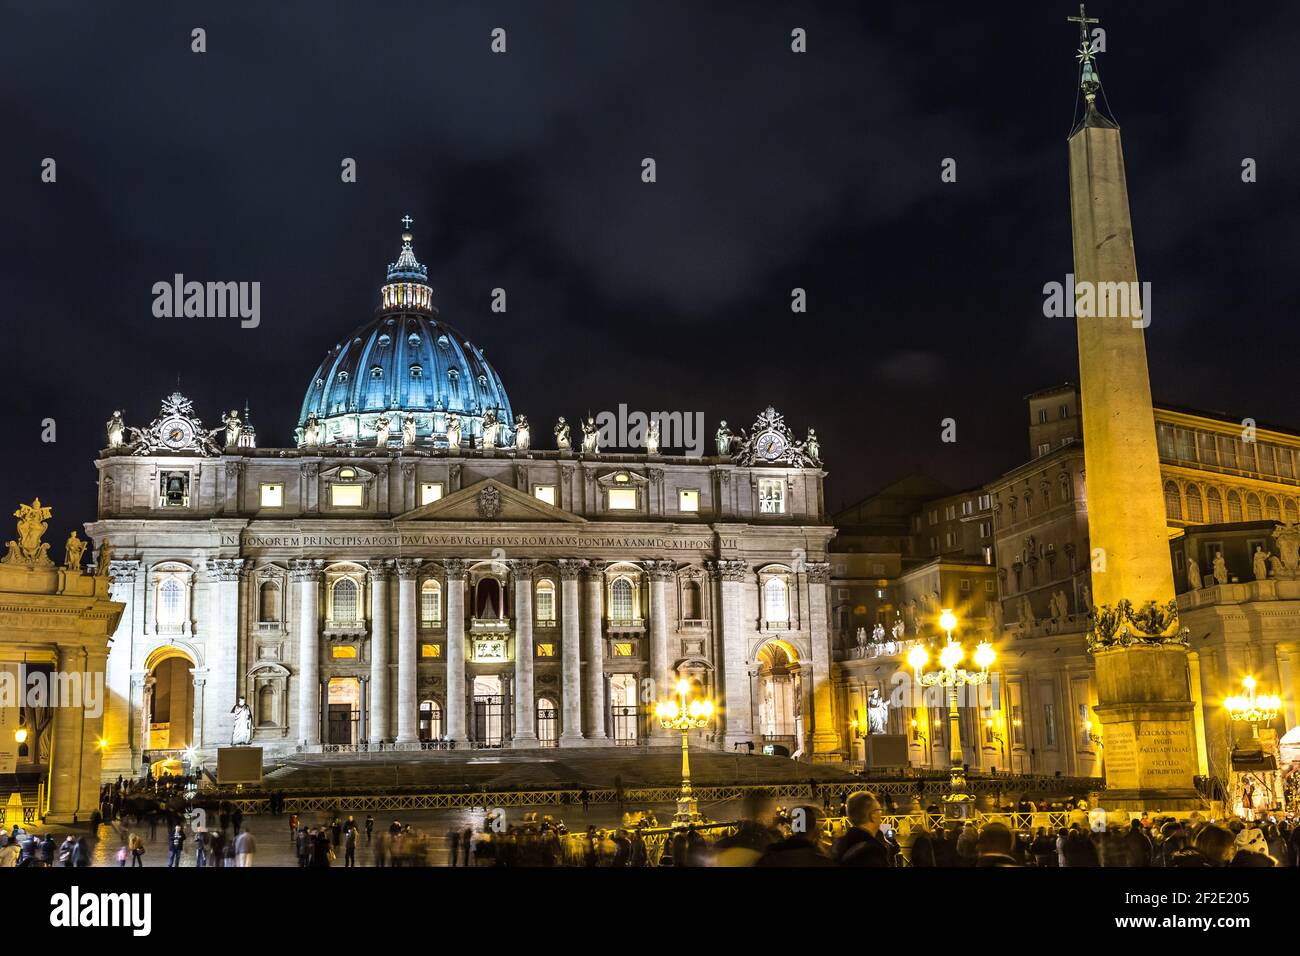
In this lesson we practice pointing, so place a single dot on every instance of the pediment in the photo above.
(490, 500)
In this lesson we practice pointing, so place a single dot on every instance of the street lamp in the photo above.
(953, 677)
(1252, 709)
(685, 716)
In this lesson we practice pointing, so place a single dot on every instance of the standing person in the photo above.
(863, 844)
(245, 847)
(224, 816)
(65, 850)
(370, 826)
(293, 828)
(81, 853)
(350, 845)
(467, 838)
(301, 845)
(218, 848)
(800, 848)
(336, 829)
(137, 850)
(453, 845)
(201, 849)
(585, 799)
(236, 819)
(176, 843)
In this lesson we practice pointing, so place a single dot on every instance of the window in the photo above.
(1085, 728)
(688, 500)
(171, 602)
(988, 587)
(346, 496)
(343, 652)
(544, 605)
(430, 725)
(1215, 505)
(1017, 727)
(430, 491)
(548, 721)
(1209, 453)
(691, 601)
(968, 507)
(545, 649)
(1065, 411)
(1272, 510)
(934, 517)
(431, 604)
(269, 602)
(431, 650)
(965, 584)
(1049, 726)
(343, 605)
(272, 496)
(776, 602)
(1194, 509)
(949, 540)
(174, 489)
(1044, 448)
(621, 606)
(1173, 502)
(622, 648)
(546, 493)
(1253, 511)
(1066, 490)
(1042, 416)
(986, 529)
(771, 496)
(986, 502)
(1234, 506)
(622, 499)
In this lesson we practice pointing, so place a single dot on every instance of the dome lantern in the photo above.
(408, 279)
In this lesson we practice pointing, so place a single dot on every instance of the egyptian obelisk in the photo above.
(1144, 698)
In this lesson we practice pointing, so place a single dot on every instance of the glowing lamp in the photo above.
(951, 656)
(948, 620)
(918, 657)
(985, 656)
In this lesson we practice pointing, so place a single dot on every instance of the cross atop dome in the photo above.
(406, 222)
(407, 267)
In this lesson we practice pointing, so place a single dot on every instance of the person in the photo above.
(245, 847)
(336, 829)
(800, 848)
(1043, 849)
(176, 843)
(9, 852)
(585, 799)
(1139, 845)
(1216, 843)
(350, 845)
(466, 839)
(218, 848)
(756, 832)
(293, 828)
(236, 819)
(923, 846)
(638, 854)
(201, 849)
(453, 845)
(137, 850)
(65, 850)
(1079, 849)
(863, 844)
(994, 846)
(370, 826)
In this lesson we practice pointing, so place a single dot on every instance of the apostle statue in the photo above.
(1085, 594)
(1026, 612)
(522, 436)
(1220, 568)
(562, 441)
(1194, 575)
(311, 432)
(408, 431)
(861, 637)
(1259, 563)
(491, 429)
(116, 429)
(383, 426)
(877, 712)
(453, 431)
(233, 427)
(242, 734)
(724, 438)
(899, 628)
(813, 448)
(652, 437)
(74, 549)
(590, 437)
(878, 633)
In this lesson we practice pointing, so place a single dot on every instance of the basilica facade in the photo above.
(415, 574)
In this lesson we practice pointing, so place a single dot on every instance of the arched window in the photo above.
(270, 602)
(430, 720)
(344, 605)
(1215, 505)
(171, 602)
(1292, 512)
(776, 602)
(1173, 502)
(544, 601)
(1272, 510)
(431, 604)
(548, 723)
(1253, 511)
(1234, 506)
(691, 609)
(620, 600)
(1194, 510)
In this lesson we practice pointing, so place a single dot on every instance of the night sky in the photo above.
(522, 171)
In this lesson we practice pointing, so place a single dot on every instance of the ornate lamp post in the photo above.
(685, 716)
(953, 677)
(1252, 709)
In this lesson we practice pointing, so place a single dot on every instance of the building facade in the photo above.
(416, 574)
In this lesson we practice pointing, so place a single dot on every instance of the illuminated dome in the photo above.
(405, 360)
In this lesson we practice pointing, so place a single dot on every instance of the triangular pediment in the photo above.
(490, 500)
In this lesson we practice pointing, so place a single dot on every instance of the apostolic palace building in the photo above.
(417, 573)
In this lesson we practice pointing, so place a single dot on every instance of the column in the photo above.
(221, 653)
(661, 672)
(571, 654)
(455, 591)
(380, 574)
(525, 708)
(117, 677)
(74, 756)
(825, 736)
(306, 574)
(736, 718)
(407, 704)
(594, 710)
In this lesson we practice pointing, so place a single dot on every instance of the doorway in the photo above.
(489, 711)
(343, 711)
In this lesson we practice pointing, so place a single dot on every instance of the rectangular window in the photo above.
(545, 605)
(545, 650)
(346, 496)
(622, 648)
(430, 491)
(545, 493)
(343, 652)
(174, 489)
(1042, 416)
(688, 500)
(965, 584)
(431, 650)
(622, 499)
(1227, 452)
(950, 540)
(1065, 411)
(771, 496)
(934, 517)
(1049, 726)
(1044, 448)
(1284, 462)
(430, 605)
(1209, 453)
(988, 587)
(1165, 440)
(1017, 727)
(986, 502)
(986, 529)
(272, 496)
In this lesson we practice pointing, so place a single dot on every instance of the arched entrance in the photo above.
(780, 696)
(167, 721)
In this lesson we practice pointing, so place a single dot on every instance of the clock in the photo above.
(770, 445)
(176, 433)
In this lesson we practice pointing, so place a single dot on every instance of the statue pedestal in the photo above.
(1148, 733)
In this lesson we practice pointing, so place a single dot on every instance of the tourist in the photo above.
(245, 847)
(755, 833)
(1043, 849)
(236, 819)
(863, 844)
(370, 827)
(1140, 848)
(453, 846)
(350, 845)
(293, 829)
(923, 846)
(176, 842)
(466, 839)
(994, 846)
(65, 850)
(801, 848)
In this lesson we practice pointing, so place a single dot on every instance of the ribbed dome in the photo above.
(405, 360)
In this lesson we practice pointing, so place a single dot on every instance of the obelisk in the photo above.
(1144, 698)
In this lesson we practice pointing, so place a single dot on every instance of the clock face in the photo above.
(770, 446)
(177, 433)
